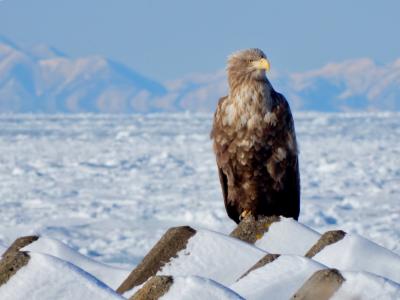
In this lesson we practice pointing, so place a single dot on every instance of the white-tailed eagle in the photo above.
(254, 142)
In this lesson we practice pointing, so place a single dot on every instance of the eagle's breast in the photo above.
(255, 135)
(245, 108)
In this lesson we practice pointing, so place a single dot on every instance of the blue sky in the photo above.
(168, 39)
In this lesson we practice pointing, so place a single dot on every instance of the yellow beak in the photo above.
(263, 63)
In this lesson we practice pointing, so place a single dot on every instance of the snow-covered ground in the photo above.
(109, 186)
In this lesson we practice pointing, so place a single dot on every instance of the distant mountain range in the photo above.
(43, 79)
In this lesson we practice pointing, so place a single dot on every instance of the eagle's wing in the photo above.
(292, 189)
(221, 155)
(216, 120)
(230, 209)
(292, 185)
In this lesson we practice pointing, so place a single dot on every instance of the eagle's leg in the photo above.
(245, 213)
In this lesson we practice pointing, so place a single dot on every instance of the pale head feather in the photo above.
(240, 67)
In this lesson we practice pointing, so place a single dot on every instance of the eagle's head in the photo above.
(249, 64)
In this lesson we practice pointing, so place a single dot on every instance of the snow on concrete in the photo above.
(213, 255)
(366, 286)
(279, 279)
(198, 288)
(355, 253)
(283, 237)
(112, 276)
(47, 278)
(210, 267)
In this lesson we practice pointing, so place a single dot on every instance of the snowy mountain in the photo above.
(353, 85)
(43, 79)
(349, 85)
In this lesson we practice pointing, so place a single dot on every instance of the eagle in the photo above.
(254, 142)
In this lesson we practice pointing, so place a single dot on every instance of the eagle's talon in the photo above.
(244, 214)
(259, 236)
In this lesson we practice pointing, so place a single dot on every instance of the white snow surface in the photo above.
(355, 253)
(213, 255)
(366, 286)
(3, 248)
(48, 278)
(279, 279)
(112, 276)
(198, 288)
(288, 237)
(109, 186)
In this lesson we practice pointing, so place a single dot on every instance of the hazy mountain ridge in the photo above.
(43, 79)
(349, 85)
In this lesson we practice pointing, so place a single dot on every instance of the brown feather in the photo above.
(255, 144)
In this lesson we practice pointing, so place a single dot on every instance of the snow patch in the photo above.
(213, 255)
(355, 253)
(112, 276)
(362, 285)
(48, 278)
(198, 288)
(283, 237)
(279, 279)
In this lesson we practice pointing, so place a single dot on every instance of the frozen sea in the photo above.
(109, 186)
